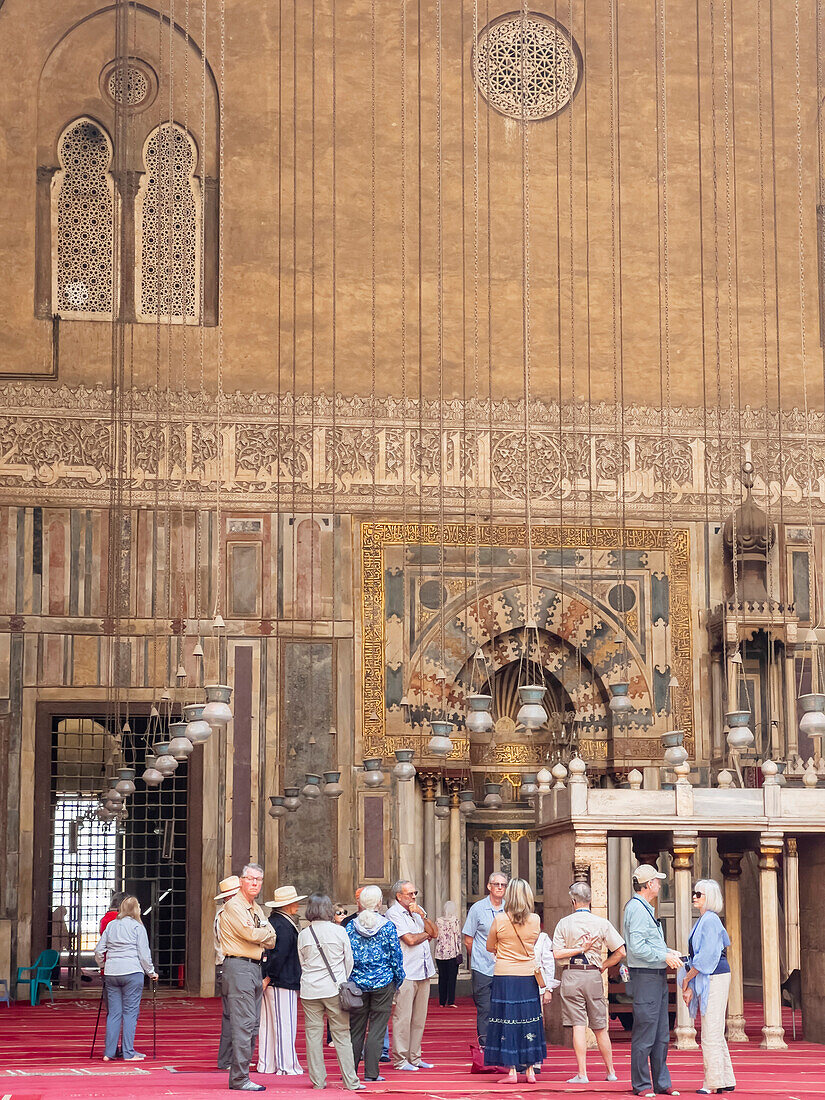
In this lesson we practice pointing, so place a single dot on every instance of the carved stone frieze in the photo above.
(55, 444)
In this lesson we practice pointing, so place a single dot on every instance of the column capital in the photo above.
(128, 182)
(454, 784)
(429, 784)
(771, 846)
(581, 871)
(792, 849)
(683, 848)
(732, 864)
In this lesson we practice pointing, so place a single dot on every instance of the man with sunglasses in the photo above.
(648, 959)
(475, 931)
(415, 931)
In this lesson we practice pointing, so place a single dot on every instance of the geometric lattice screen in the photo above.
(168, 230)
(145, 855)
(83, 258)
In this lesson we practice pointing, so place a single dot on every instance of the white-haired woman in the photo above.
(515, 1036)
(706, 985)
(447, 952)
(379, 970)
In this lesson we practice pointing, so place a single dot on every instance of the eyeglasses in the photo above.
(340, 912)
(698, 894)
(410, 893)
(503, 885)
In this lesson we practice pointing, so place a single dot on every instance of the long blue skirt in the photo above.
(515, 1035)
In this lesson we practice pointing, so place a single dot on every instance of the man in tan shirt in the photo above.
(578, 942)
(244, 933)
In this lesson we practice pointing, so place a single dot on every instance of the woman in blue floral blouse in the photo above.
(379, 971)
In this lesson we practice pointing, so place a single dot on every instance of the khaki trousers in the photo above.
(408, 1019)
(314, 1009)
(715, 1053)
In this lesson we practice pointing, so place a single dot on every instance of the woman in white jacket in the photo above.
(326, 963)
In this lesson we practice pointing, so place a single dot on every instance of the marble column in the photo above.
(732, 872)
(791, 730)
(770, 849)
(590, 864)
(429, 782)
(684, 850)
(791, 868)
(455, 846)
(406, 830)
(717, 680)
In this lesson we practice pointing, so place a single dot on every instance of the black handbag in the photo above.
(350, 994)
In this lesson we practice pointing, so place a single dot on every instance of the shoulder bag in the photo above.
(350, 994)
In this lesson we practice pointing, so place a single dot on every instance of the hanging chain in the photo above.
(219, 396)
(440, 337)
(526, 334)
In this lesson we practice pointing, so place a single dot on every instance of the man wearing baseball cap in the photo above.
(648, 959)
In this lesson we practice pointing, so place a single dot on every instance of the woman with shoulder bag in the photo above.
(379, 972)
(515, 1037)
(326, 964)
(706, 985)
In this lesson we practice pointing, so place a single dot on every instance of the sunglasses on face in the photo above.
(698, 894)
(340, 912)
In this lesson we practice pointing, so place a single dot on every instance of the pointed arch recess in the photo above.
(599, 646)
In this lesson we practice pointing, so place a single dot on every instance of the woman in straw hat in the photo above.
(281, 971)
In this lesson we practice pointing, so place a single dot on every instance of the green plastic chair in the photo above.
(39, 974)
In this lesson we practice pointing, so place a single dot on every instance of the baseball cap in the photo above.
(645, 872)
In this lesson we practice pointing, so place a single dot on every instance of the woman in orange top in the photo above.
(515, 1037)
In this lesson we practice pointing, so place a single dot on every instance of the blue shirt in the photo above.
(377, 957)
(707, 947)
(478, 924)
(643, 937)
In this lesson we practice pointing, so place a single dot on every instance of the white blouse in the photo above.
(315, 978)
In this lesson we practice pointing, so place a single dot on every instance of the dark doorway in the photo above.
(145, 854)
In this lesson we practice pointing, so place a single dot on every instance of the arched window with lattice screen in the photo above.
(82, 223)
(167, 224)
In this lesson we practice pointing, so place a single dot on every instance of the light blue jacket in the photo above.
(645, 943)
(709, 940)
(126, 946)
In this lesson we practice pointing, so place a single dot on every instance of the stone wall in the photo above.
(812, 935)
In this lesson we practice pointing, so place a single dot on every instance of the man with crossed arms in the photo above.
(244, 933)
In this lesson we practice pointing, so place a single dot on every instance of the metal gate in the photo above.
(144, 855)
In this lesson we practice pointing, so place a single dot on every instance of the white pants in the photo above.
(276, 1035)
(715, 1053)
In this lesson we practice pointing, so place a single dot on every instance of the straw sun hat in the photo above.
(284, 895)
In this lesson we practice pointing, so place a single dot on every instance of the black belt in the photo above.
(647, 970)
(245, 958)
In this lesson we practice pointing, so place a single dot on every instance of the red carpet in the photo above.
(44, 1055)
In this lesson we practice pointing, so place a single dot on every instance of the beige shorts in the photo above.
(582, 999)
